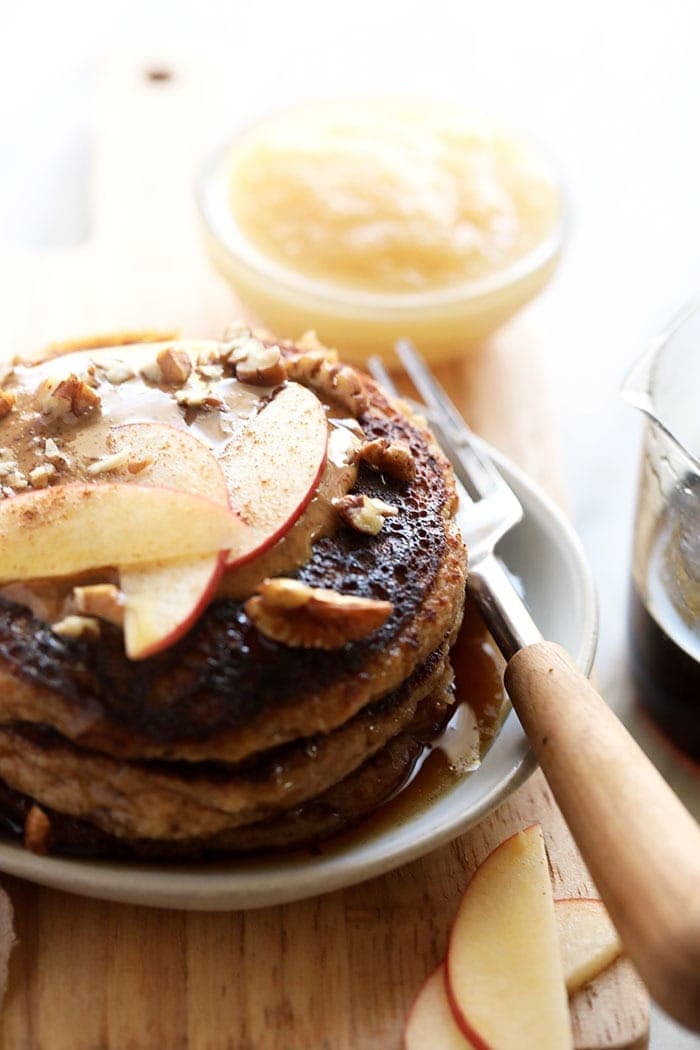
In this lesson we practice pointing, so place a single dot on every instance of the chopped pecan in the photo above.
(211, 371)
(103, 600)
(75, 627)
(7, 402)
(347, 388)
(393, 458)
(364, 513)
(42, 475)
(37, 830)
(319, 370)
(17, 481)
(198, 395)
(289, 612)
(175, 366)
(58, 398)
(261, 365)
(307, 367)
(54, 455)
(8, 467)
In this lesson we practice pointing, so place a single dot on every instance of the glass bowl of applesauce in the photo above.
(370, 221)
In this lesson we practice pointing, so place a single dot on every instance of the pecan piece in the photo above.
(175, 366)
(37, 830)
(364, 513)
(102, 600)
(8, 467)
(7, 402)
(289, 612)
(199, 396)
(320, 370)
(69, 395)
(54, 455)
(42, 475)
(258, 364)
(393, 458)
(75, 627)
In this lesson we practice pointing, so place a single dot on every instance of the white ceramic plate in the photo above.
(546, 556)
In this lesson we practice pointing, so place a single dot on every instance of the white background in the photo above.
(613, 89)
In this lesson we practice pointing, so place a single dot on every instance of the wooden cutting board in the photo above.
(338, 971)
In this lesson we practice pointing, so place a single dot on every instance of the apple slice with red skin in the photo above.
(505, 979)
(589, 941)
(589, 944)
(274, 465)
(431, 1024)
(71, 528)
(163, 600)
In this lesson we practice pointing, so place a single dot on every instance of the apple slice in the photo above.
(505, 980)
(589, 941)
(71, 528)
(164, 600)
(431, 1024)
(273, 466)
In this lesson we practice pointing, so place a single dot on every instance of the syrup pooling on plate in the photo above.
(461, 743)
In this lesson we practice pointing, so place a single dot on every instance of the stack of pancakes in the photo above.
(230, 741)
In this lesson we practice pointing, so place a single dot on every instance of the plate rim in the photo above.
(167, 886)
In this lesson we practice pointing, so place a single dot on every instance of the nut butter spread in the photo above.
(63, 426)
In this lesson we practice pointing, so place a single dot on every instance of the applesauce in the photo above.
(370, 221)
(391, 199)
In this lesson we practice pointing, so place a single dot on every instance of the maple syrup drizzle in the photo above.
(479, 709)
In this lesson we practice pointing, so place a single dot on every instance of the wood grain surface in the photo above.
(339, 971)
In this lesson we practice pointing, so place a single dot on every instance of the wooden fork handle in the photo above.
(640, 843)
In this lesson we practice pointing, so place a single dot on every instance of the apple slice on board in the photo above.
(273, 466)
(164, 600)
(505, 980)
(589, 944)
(71, 528)
(431, 1024)
(589, 941)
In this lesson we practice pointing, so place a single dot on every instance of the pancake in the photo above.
(174, 800)
(229, 740)
(330, 812)
(225, 691)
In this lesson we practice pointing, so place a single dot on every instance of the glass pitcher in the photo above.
(665, 600)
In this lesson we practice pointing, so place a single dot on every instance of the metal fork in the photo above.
(491, 511)
(640, 843)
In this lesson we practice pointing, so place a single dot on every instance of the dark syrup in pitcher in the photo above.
(665, 629)
(667, 677)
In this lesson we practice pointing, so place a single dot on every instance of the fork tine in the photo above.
(427, 386)
(483, 474)
(379, 371)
